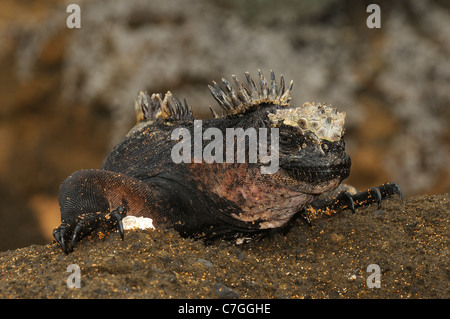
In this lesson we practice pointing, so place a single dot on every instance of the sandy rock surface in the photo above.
(407, 240)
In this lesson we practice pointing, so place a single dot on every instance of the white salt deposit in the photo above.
(133, 222)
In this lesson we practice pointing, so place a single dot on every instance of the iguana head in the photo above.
(311, 149)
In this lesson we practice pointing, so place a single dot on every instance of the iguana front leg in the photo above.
(97, 200)
(344, 200)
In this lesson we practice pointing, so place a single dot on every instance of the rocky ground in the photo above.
(407, 239)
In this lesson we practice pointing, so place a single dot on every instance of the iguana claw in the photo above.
(85, 224)
(345, 200)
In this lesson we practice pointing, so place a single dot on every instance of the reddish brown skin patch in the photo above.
(259, 197)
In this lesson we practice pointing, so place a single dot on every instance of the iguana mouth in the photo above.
(315, 171)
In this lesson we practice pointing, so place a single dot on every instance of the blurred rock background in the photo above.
(67, 95)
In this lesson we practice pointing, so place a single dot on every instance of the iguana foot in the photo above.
(85, 224)
(345, 200)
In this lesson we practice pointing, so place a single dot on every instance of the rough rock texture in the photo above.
(408, 240)
(67, 95)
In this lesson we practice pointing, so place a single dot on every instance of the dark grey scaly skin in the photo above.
(233, 201)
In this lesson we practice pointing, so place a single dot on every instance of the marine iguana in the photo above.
(209, 200)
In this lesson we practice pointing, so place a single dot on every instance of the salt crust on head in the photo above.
(322, 119)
